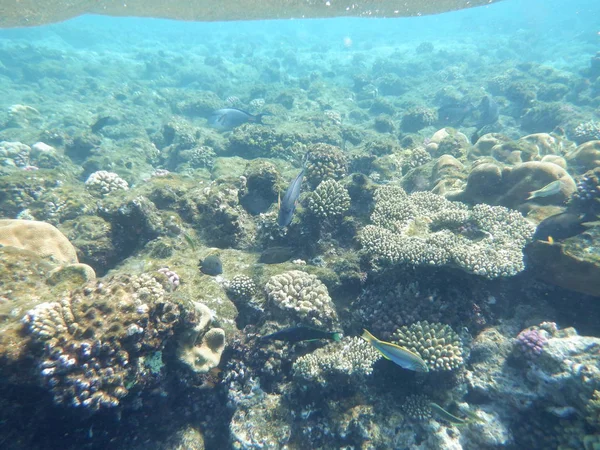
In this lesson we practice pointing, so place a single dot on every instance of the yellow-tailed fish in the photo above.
(399, 355)
(445, 415)
(548, 190)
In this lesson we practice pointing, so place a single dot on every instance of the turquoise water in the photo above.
(440, 177)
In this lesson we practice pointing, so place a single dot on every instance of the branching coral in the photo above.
(426, 229)
(351, 356)
(330, 200)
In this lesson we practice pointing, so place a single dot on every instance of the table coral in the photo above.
(426, 229)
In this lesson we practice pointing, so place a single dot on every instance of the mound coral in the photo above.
(351, 356)
(436, 343)
(417, 407)
(426, 229)
(103, 183)
(241, 287)
(325, 162)
(301, 296)
(330, 200)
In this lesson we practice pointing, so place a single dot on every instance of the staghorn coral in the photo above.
(330, 200)
(417, 407)
(301, 296)
(103, 183)
(324, 162)
(352, 356)
(436, 343)
(91, 340)
(426, 229)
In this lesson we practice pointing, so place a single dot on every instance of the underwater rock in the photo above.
(201, 346)
(569, 264)
(585, 157)
(39, 237)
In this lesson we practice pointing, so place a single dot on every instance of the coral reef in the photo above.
(439, 346)
(297, 295)
(91, 341)
(426, 229)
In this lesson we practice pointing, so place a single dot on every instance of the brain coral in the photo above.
(350, 356)
(302, 296)
(436, 343)
(426, 229)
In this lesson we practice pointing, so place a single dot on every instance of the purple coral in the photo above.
(531, 342)
(173, 278)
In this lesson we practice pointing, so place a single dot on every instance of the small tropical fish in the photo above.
(562, 226)
(189, 240)
(445, 415)
(211, 265)
(489, 111)
(287, 206)
(230, 118)
(399, 355)
(100, 123)
(454, 115)
(276, 255)
(550, 189)
(302, 333)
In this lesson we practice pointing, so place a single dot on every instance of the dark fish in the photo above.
(301, 333)
(287, 205)
(454, 115)
(489, 111)
(561, 226)
(211, 265)
(229, 118)
(276, 255)
(100, 123)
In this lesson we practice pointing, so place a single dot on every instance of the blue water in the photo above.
(135, 97)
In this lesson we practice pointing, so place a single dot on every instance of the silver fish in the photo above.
(548, 190)
(287, 206)
(229, 118)
(399, 355)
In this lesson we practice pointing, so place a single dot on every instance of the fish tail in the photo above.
(368, 337)
(531, 196)
(337, 337)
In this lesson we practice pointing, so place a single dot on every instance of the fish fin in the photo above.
(550, 240)
(368, 337)
(531, 196)
(591, 224)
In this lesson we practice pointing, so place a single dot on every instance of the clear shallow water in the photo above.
(351, 83)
